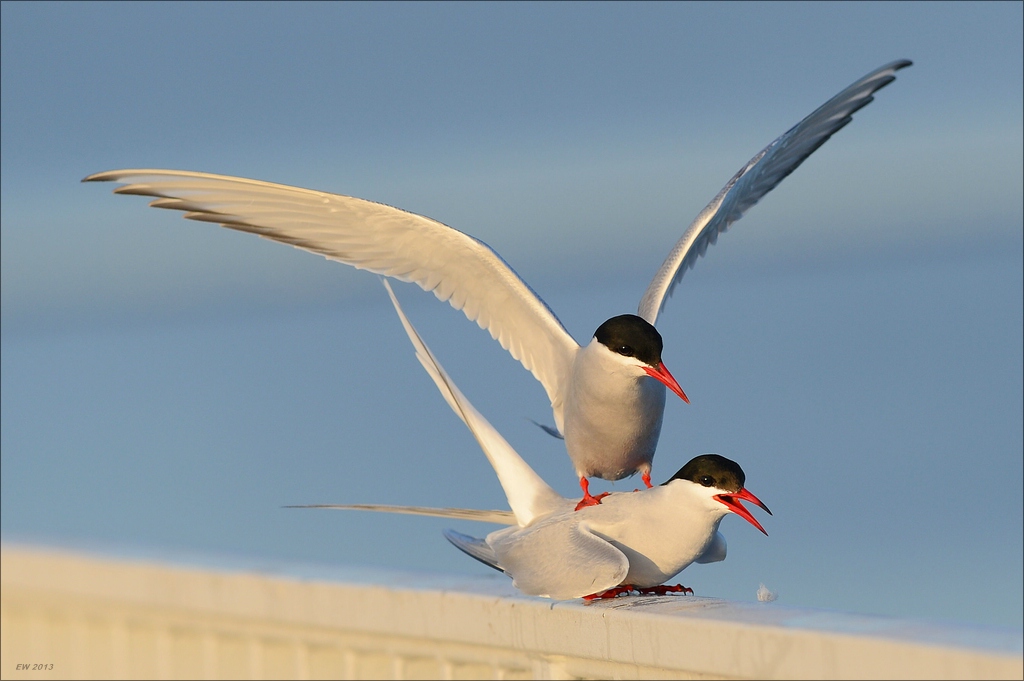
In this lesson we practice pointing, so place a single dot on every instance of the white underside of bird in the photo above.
(613, 414)
(639, 538)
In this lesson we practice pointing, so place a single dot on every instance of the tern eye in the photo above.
(707, 480)
(625, 350)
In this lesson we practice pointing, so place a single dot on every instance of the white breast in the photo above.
(613, 414)
(661, 531)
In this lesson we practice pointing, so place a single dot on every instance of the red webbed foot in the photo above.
(591, 501)
(613, 592)
(665, 589)
(588, 499)
(622, 589)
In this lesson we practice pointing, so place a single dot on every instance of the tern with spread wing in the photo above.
(631, 541)
(608, 396)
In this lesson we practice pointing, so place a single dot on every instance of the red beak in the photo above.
(661, 373)
(732, 502)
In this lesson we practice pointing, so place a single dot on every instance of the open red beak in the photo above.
(732, 502)
(662, 374)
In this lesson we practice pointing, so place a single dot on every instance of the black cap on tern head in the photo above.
(718, 472)
(712, 470)
(631, 336)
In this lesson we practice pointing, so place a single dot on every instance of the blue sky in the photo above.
(854, 342)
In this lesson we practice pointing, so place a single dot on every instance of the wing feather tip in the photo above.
(110, 175)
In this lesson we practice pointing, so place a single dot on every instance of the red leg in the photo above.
(610, 593)
(664, 589)
(646, 477)
(587, 499)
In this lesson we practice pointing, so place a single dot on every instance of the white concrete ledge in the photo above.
(91, 616)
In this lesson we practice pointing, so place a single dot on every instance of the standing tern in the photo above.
(631, 541)
(608, 397)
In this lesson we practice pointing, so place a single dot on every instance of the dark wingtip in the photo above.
(896, 65)
(553, 432)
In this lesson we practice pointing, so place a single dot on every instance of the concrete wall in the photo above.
(95, 616)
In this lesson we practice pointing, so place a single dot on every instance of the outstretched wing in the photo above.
(758, 177)
(499, 517)
(456, 267)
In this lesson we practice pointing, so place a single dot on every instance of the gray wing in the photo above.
(558, 557)
(474, 548)
(758, 177)
(499, 517)
(454, 266)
